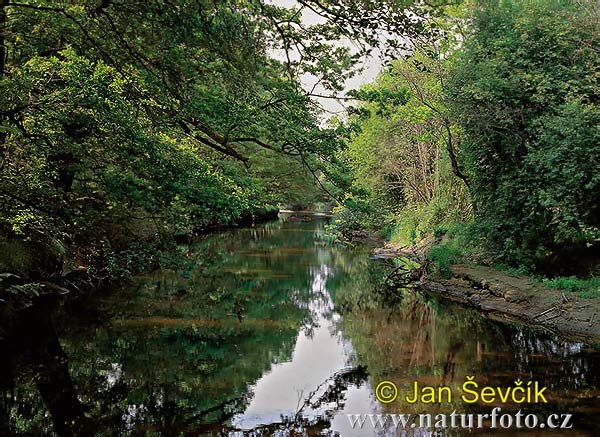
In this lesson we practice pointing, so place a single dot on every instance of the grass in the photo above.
(585, 288)
(456, 246)
(444, 255)
(416, 222)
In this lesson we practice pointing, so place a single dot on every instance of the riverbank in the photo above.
(512, 298)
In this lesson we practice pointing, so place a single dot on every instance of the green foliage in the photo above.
(417, 222)
(16, 293)
(403, 177)
(512, 111)
(32, 289)
(106, 164)
(358, 217)
(457, 244)
(585, 288)
(525, 94)
(16, 257)
(134, 121)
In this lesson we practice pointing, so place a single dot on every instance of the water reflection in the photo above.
(37, 360)
(267, 330)
(421, 340)
(310, 384)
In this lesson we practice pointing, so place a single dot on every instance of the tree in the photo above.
(116, 117)
(404, 156)
(526, 95)
(142, 118)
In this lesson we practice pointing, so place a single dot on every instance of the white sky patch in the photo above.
(371, 67)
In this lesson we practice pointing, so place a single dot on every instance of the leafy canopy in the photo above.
(526, 94)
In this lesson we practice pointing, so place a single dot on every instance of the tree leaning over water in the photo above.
(146, 118)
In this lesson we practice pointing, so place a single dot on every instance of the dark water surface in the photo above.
(271, 330)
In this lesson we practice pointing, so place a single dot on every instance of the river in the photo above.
(272, 330)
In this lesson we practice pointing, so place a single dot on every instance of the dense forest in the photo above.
(148, 148)
(492, 154)
(127, 127)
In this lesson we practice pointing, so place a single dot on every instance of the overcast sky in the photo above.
(372, 66)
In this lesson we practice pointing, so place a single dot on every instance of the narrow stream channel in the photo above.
(272, 330)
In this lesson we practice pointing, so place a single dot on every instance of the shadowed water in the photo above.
(269, 330)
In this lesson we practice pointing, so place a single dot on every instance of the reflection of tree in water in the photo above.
(36, 359)
(547, 357)
(179, 350)
(171, 353)
(330, 397)
(207, 356)
(423, 340)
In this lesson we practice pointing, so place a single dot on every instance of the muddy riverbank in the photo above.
(506, 297)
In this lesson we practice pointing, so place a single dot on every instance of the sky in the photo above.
(371, 68)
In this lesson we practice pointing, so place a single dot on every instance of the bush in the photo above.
(585, 288)
(459, 244)
(416, 222)
(526, 95)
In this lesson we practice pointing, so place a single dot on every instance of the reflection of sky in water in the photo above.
(165, 351)
(318, 355)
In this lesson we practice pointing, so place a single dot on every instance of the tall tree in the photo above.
(526, 96)
(117, 113)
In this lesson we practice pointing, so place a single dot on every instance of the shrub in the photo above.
(525, 93)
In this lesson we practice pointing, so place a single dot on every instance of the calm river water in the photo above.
(273, 331)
